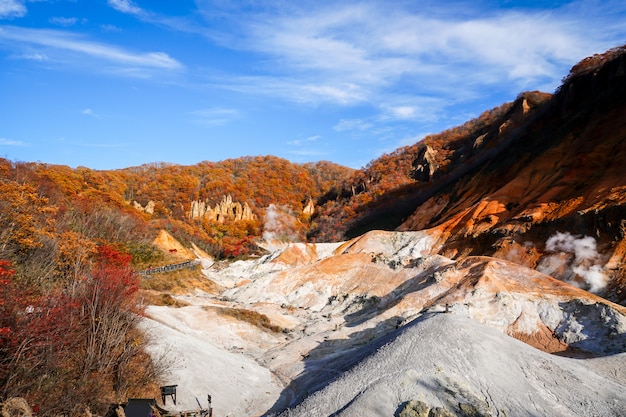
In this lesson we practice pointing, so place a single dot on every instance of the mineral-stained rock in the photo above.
(469, 410)
(440, 412)
(415, 408)
(425, 164)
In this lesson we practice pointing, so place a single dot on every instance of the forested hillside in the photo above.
(71, 242)
(390, 188)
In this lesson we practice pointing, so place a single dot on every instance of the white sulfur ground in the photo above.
(445, 360)
(237, 384)
(441, 359)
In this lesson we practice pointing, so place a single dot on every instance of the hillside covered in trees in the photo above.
(71, 241)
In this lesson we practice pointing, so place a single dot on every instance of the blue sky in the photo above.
(119, 83)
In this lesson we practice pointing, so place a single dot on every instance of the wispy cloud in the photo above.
(103, 145)
(125, 6)
(30, 57)
(89, 112)
(180, 24)
(304, 141)
(216, 116)
(10, 142)
(351, 53)
(307, 147)
(63, 21)
(304, 90)
(307, 152)
(401, 64)
(353, 124)
(10, 9)
(110, 28)
(56, 40)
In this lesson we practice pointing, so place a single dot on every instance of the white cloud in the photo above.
(12, 8)
(89, 112)
(10, 142)
(110, 28)
(352, 124)
(125, 6)
(307, 152)
(307, 140)
(343, 94)
(307, 147)
(350, 53)
(63, 21)
(295, 89)
(31, 57)
(404, 112)
(64, 41)
(216, 116)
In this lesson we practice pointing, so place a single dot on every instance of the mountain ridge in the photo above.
(547, 164)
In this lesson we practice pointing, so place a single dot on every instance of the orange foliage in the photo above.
(593, 62)
(391, 174)
(94, 205)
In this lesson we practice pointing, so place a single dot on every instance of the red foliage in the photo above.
(38, 333)
(71, 346)
(113, 281)
(6, 302)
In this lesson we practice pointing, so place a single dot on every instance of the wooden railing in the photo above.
(170, 267)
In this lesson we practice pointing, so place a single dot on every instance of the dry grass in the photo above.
(249, 316)
(157, 289)
(180, 282)
(156, 298)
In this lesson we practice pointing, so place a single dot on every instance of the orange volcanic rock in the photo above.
(543, 339)
(523, 254)
(530, 306)
(558, 169)
(297, 254)
(511, 178)
(372, 283)
(168, 244)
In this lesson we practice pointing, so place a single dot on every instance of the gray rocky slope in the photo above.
(451, 362)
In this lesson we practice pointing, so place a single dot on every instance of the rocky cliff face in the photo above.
(543, 166)
(562, 172)
(225, 211)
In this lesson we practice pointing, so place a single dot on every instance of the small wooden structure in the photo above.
(137, 407)
(168, 390)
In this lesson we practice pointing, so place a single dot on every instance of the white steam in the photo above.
(583, 248)
(280, 225)
(573, 256)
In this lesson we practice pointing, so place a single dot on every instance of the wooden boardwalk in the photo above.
(169, 268)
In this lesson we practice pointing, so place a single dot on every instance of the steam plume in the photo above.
(573, 256)
(279, 225)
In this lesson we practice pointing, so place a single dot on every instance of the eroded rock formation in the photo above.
(149, 208)
(225, 211)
